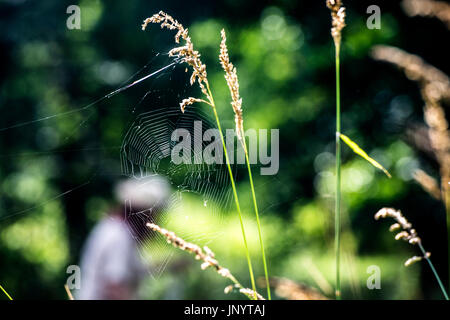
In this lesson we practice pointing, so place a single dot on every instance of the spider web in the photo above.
(146, 150)
(159, 66)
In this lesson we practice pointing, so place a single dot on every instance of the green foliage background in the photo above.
(56, 175)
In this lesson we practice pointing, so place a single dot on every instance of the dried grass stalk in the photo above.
(233, 85)
(428, 8)
(440, 140)
(435, 89)
(236, 102)
(205, 255)
(68, 292)
(338, 23)
(428, 183)
(189, 101)
(185, 53)
(337, 20)
(409, 234)
(434, 81)
(291, 290)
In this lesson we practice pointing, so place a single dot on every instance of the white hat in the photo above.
(146, 192)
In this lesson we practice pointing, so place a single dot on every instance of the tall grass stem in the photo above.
(235, 194)
(441, 286)
(446, 196)
(255, 204)
(337, 222)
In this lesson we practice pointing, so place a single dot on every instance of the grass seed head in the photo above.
(337, 20)
(435, 89)
(407, 232)
(206, 255)
(185, 53)
(233, 85)
(428, 8)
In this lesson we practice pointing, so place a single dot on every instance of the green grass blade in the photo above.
(441, 286)
(235, 194)
(6, 293)
(356, 149)
(255, 205)
(337, 209)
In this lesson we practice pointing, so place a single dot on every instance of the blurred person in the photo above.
(111, 267)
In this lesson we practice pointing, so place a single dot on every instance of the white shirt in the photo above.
(110, 258)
